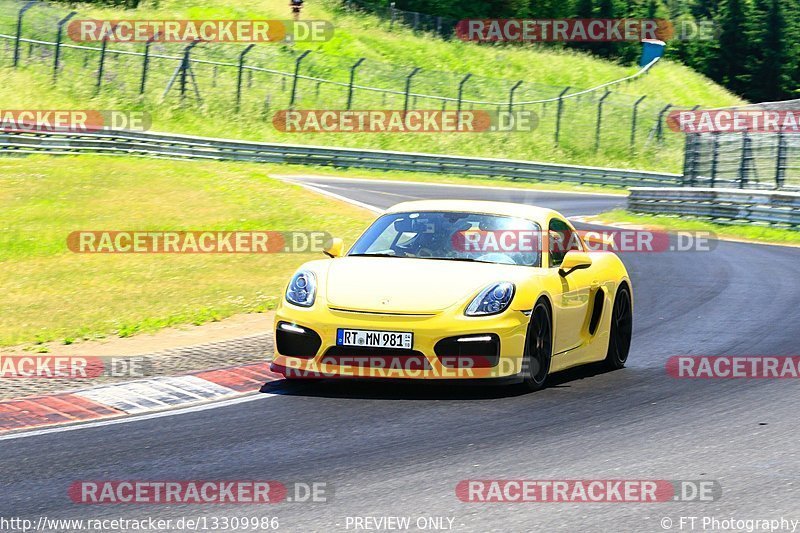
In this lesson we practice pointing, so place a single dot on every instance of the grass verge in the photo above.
(753, 233)
(52, 294)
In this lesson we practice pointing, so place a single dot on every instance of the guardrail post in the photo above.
(408, 88)
(660, 124)
(296, 73)
(634, 117)
(714, 156)
(19, 29)
(461, 92)
(511, 96)
(101, 66)
(599, 120)
(352, 79)
(239, 76)
(57, 53)
(146, 61)
(559, 111)
(780, 160)
(744, 162)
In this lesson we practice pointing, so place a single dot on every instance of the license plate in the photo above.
(374, 339)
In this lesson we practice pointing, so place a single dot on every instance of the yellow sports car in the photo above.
(452, 289)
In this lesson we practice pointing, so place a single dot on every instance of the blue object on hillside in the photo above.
(651, 49)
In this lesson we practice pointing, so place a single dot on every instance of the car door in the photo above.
(573, 302)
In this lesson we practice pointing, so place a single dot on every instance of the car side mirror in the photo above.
(574, 260)
(334, 248)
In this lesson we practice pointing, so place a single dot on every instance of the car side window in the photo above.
(561, 240)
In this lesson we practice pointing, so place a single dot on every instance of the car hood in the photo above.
(411, 286)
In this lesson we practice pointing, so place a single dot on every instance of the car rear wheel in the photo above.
(619, 339)
(538, 348)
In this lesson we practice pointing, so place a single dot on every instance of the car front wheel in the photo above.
(538, 347)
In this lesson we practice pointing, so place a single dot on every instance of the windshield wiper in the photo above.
(373, 255)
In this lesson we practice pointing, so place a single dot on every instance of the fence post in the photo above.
(599, 120)
(714, 156)
(559, 111)
(634, 117)
(659, 125)
(185, 65)
(690, 158)
(780, 160)
(296, 73)
(103, 48)
(57, 53)
(511, 96)
(408, 88)
(352, 78)
(146, 61)
(391, 15)
(743, 163)
(239, 75)
(461, 92)
(19, 29)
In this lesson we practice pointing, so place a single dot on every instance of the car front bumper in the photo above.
(432, 333)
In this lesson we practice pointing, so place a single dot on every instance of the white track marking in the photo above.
(319, 190)
(137, 418)
(156, 393)
(425, 184)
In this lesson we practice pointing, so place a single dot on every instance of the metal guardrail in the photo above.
(131, 143)
(736, 205)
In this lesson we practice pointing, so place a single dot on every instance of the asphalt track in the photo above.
(400, 450)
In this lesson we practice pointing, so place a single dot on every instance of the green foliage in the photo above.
(755, 52)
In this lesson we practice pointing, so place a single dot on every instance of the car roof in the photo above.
(529, 212)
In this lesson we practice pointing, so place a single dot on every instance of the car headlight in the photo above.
(302, 289)
(492, 300)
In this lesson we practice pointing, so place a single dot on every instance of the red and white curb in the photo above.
(133, 397)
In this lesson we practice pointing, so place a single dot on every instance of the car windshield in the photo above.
(452, 236)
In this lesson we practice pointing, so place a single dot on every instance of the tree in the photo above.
(730, 68)
(768, 60)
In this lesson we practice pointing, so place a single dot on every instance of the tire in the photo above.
(538, 348)
(619, 337)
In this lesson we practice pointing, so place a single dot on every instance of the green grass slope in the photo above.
(390, 54)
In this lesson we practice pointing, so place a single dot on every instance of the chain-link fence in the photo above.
(747, 159)
(256, 81)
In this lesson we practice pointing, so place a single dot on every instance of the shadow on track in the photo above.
(386, 389)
